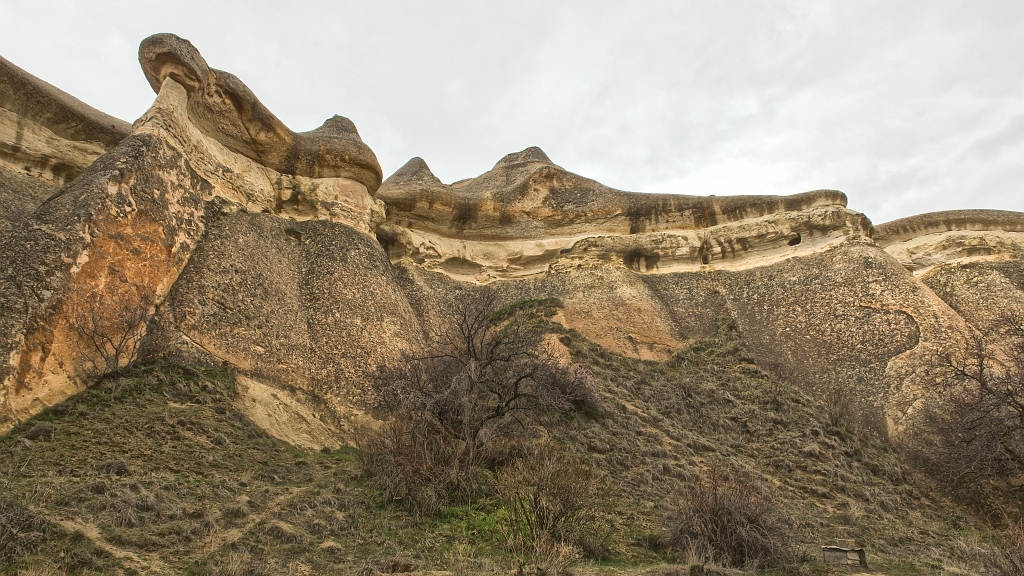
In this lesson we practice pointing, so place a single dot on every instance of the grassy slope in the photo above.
(711, 406)
(206, 491)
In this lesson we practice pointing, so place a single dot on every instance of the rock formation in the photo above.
(131, 221)
(972, 259)
(645, 275)
(47, 138)
(284, 255)
(223, 108)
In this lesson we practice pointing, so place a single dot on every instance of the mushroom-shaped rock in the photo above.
(226, 110)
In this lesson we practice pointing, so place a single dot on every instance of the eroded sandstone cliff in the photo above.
(47, 138)
(131, 221)
(284, 255)
(972, 259)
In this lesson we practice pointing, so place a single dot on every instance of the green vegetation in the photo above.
(170, 477)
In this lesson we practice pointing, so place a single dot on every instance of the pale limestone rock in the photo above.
(129, 223)
(47, 138)
(927, 240)
(283, 416)
(224, 109)
(527, 216)
(47, 132)
(972, 259)
(125, 226)
(253, 186)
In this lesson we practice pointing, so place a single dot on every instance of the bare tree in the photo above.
(109, 326)
(481, 376)
(974, 423)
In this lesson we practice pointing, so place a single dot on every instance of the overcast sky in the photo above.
(907, 107)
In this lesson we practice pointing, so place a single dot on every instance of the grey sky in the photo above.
(907, 107)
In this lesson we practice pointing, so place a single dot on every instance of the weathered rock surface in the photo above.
(226, 110)
(129, 221)
(47, 138)
(646, 275)
(527, 214)
(271, 251)
(309, 306)
(972, 259)
(250, 185)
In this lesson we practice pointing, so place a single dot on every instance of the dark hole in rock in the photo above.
(796, 240)
(651, 261)
(632, 259)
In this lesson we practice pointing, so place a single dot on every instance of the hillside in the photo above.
(165, 475)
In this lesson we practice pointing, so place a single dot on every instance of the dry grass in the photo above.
(204, 491)
(727, 519)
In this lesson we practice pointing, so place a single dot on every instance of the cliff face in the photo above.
(128, 225)
(47, 138)
(285, 255)
(646, 275)
(972, 259)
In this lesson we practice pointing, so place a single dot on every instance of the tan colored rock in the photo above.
(226, 110)
(911, 227)
(927, 240)
(47, 138)
(526, 197)
(527, 214)
(48, 132)
(310, 307)
(645, 275)
(257, 241)
(129, 221)
(279, 414)
(251, 186)
(972, 259)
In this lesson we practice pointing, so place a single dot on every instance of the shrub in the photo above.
(1008, 559)
(415, 464)
(727, 519)
(554, 501)
(970, 431)
(108, 327)
(21, 530)
(42, 430)
(116, 467)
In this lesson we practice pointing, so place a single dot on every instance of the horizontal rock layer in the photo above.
(535, 199)
(47, 138)
(224, 109)
(527, 215)
(267, 250)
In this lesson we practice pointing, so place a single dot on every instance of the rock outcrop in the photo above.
(284, 255)
(527, 214)
(972, 259)
(47, 138)
(129, 224)
(646, 275)
(224, 108)
(122, 230)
